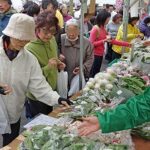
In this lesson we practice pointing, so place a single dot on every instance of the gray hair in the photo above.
(73, 22)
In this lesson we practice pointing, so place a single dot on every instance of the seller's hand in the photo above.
(61, 57)
(61, 65)
(65, 102)
(52, 63)
(146, 43)
(76, 70)
(7, 89)
(89, 125)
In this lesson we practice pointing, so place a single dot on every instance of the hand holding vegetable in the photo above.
(52, 63)
(5, 89)
(61, 65)
(89, 125)
(65, 102)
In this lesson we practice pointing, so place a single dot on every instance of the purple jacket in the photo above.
(66, 18)
(144, 28)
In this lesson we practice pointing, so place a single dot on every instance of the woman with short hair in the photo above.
(44, 48)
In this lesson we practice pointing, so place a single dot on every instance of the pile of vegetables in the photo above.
(134, 83)
(57, 138)
(141, 58)
(101, 93)
(83, 106)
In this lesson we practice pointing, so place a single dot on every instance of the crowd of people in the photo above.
(40, 41)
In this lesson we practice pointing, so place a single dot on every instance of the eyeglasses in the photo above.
(49, 31)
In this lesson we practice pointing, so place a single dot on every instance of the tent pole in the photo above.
(126, 7)
(81, 44)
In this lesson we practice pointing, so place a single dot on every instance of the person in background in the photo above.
(132, 33)
(87, 24)
(133, 113)
(45, 50)
(6, 11)
(64, 11)
(112, 29)
(52, 6)
(32, 9)
(98, 37)
(143, 14)
(144, 26)
(93, 20)
(20, 69)
(70, 50)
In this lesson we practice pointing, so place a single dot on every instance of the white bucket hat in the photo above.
(21, 27)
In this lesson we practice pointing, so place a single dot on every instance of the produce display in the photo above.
(105, 91)
(58, 138)
(108, 89)
(141, 57)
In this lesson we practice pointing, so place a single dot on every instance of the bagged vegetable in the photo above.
(74, 87)
(62, 84)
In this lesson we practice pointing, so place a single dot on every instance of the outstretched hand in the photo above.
(89, 125)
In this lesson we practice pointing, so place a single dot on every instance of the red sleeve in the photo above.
(93, 37)
(121, 43)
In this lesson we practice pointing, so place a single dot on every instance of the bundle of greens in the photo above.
(57, 138)
(134, 83)
(83, 106)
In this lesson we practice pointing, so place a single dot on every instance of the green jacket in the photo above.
(134, 112)
(44, 51)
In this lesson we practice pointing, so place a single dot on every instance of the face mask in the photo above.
(72, 40)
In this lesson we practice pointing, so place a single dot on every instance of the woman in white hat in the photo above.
(21, 70)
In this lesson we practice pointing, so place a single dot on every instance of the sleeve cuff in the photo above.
(101, 121)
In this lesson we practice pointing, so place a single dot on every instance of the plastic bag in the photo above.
(62, 84)
(4, 123)
(74, 87)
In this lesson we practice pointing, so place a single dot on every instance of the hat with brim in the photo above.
(21, 27)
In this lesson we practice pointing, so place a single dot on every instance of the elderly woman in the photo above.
(70, 50)
(20, 69)
(45, 50)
